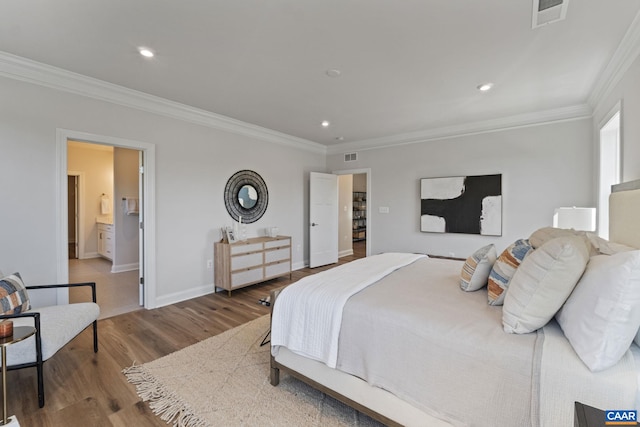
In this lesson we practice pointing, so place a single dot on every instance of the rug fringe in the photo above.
(162, 402)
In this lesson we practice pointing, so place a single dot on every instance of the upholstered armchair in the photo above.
(55, 325)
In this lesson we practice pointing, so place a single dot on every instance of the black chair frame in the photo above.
(38, 342)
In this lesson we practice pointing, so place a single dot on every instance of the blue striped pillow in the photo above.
(504, 269)
(13, 295)
(476, 269)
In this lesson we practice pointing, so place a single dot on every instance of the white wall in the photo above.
(125, 184)
(360, 182)
(542, 167)
(193, 164)
(626, 90)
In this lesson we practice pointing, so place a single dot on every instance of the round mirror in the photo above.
(246, 196)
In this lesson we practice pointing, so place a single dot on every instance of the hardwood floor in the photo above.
(84, 388)
(117, 292)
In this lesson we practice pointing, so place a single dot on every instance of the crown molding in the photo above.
(627, 52)
(575, 112)
(26, 70)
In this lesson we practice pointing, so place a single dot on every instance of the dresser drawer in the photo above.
(244, 248)
(246, 276)
(278, 269)
(276, 255)
(277, 243)
(244, 261)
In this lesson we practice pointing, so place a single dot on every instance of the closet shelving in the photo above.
(359, 216)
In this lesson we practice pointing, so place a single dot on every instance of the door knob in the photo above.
(313, 224)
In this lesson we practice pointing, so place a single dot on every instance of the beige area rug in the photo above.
(224, 381)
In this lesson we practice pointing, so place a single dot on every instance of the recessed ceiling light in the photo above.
(146, 52)
(485, 87)
(325, 123)
(333, 72)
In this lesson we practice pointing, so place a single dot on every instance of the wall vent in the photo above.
(548, 11)
(351, 157)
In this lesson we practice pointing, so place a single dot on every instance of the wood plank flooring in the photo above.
(87, 389)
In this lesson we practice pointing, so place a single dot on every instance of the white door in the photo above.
(323, 219)
(141, 227)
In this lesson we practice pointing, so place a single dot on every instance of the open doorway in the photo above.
(354, 230)
(106, 212)
(147, 219)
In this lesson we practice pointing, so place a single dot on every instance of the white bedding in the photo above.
(563, 378)
(416, 334)
(566, 379)
(313, 328)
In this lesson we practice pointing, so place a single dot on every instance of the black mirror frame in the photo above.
(231, 190)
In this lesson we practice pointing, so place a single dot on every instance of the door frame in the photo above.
(366, 171)
(148, 219)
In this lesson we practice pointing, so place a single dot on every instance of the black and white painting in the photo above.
(462, 204)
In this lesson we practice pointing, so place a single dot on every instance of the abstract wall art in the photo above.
(462, 204)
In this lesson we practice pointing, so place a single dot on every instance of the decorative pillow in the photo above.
(504, 268)
(602, 316)
(605, 247)
(542, 283)
(544, 234)
(476, 269)
(13, 295)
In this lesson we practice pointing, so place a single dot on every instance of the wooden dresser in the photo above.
(251, 261)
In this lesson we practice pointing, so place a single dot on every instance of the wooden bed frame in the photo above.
(386, 407)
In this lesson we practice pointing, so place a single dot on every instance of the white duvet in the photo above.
(314, 328)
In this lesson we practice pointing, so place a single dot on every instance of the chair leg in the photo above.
(40, 385)
(95, 336)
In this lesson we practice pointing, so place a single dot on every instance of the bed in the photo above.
(417, 341)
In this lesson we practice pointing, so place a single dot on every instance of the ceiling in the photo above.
(406, 66)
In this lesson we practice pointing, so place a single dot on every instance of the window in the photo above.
(609, 155)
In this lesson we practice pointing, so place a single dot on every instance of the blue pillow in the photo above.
(13, 295)
(504, 269)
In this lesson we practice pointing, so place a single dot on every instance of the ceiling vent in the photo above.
(548, 11)
(351, 157)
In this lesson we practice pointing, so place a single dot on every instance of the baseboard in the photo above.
(345, 253)
(298, 265)
(177, 297)
(89, 255)
(120, 268)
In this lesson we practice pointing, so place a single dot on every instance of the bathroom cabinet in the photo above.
(106, 240)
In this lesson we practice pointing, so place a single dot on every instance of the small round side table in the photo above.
(19, 333)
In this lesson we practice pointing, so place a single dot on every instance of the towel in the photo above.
(105, 205)
(131, 205)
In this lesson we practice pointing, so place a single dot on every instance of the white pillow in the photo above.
(475, 271)
(602, 316)
(542, 283)
(605, 247)
(544, 234)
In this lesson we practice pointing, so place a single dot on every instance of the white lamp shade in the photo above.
(583, 219)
